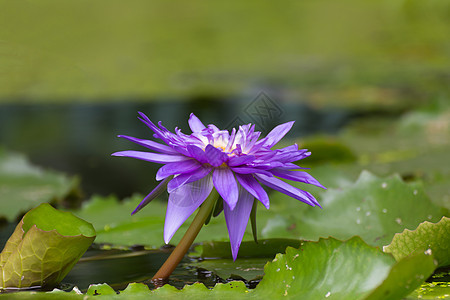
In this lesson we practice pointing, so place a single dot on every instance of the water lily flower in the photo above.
(236, 164)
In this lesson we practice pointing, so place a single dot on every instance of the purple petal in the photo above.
(213, 128)
(150, 144)
(215, 156)
(231, 140)
(183, 202)
(252, 185)
(177, 168)
(237, 219)
(261, 165)
(161, 187)
(153, 157)
(285, 188)
(185, 178)
(195, 124)
(290, 157)
(300, 176)
(226, 185)
(240, 160)
(249, 170)
(197, 153)
(151, 125)
(277, 134)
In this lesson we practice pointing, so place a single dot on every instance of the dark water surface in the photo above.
(79, 138)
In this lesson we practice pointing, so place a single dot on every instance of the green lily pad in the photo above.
(373, 208)
(231, 290)
(435, 237)
(100, 289)
(24, 186)
(44, 247)
(135, 288)
(339, 270)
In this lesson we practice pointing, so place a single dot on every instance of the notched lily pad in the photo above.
(433, 236)
(100, 290)
(43, 248)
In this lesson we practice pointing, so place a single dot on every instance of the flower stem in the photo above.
(183, 246)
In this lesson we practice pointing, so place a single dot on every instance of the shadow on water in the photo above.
(78, 138)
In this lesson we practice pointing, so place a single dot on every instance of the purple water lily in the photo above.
(235, 164)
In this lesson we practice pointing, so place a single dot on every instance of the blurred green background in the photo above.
(342, 52)
(73, 74)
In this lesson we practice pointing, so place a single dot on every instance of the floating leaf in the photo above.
(373, 208)
(135, 288)
(426, 236)
(43, 248)
(338, 270)
(25, 186)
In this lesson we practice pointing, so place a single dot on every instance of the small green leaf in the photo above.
(44, 247)
(231, 290)
(434, 236)
(100, 289)
(135, 288)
